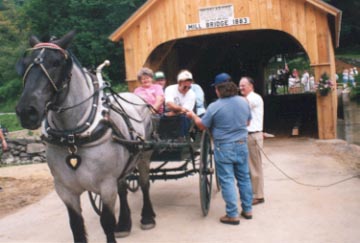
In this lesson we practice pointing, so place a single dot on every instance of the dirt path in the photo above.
(22, 186)
(292, 212)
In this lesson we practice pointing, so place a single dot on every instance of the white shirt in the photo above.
(187, 101)
(257, 112)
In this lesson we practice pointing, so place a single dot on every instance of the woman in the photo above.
(153, 94)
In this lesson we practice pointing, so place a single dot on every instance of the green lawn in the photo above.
(10, 121)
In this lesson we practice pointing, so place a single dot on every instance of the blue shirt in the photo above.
(227, 118)
(200, 108)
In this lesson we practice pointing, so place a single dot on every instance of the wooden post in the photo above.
(326, 105)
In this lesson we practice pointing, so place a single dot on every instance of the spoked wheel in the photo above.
(96, 202)
(206, 171)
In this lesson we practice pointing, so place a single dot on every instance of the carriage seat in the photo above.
(173, 127)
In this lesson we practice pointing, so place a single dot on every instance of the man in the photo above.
(160, 79)
(228, 118)
(256, 139)
(179, 98)
(200, 99)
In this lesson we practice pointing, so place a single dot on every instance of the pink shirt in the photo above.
(149, 94)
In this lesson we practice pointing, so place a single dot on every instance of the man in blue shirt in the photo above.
(228, 118)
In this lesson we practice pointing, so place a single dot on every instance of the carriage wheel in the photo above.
(206, 171)
(96, 202)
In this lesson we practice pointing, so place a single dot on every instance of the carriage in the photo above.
(174, 157)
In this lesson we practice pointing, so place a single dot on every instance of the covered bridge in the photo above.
(238, 37)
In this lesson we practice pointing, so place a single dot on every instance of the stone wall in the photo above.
(23, 150)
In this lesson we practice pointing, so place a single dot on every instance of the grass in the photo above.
(10, 121)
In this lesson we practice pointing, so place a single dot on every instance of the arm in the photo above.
(3, 141)
(159, 100)
(175, 108)
(197, 120)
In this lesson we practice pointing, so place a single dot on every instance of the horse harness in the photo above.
(98, 121)
(97, 124)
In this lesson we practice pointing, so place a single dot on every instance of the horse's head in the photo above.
(46, 71)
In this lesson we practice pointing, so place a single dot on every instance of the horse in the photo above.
(79, 122)
(283, 80)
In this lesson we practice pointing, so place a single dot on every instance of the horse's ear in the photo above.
(65, 40)
(33, 41)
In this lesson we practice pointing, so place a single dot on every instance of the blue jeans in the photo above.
(231, 161)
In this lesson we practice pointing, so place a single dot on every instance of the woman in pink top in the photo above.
(153, 94)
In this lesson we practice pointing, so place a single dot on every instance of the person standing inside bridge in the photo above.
(256, 138)
(228, 118)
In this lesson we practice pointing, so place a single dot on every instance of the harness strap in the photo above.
(74, 139)
(49, 45)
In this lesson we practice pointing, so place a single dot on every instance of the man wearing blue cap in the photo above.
(228, 118)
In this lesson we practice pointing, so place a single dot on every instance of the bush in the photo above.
(10, 122)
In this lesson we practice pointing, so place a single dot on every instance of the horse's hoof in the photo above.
(147, 226)
(122, 234)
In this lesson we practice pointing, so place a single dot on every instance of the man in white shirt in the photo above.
(255, 138)
(179, 98)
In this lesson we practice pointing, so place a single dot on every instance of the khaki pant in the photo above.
(255, 142)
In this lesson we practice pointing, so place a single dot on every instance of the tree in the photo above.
(94, 21)
(11, 45)
(350, 28)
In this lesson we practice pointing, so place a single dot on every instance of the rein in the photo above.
(116, 95)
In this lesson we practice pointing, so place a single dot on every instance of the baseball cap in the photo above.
(159, 75)
(221, 78)
(184, 75)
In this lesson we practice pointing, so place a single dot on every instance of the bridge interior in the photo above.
(245, 53)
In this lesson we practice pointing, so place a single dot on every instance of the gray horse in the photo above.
(79, 122)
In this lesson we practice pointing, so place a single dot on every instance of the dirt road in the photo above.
(292, 212)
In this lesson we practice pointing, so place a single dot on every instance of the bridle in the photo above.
(39, 60)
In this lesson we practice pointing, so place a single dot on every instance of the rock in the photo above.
(37, 159)
(33, 148)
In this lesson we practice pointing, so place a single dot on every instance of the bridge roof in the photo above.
(334, 13)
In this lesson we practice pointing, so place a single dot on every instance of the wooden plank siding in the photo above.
(167, 22)
(164, 21)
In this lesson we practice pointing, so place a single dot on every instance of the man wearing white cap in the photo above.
(179, 98)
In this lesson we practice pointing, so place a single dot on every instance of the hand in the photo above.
(4, 146)
(190, 114)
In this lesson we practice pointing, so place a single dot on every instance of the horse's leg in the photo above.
(147, 214)
(124, 224)
(108, 192)
(72, 203)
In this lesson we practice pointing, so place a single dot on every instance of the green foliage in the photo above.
(350, 26)
(10, 121)
(325, 85)
(11, 46)
(94, 21)
(355, 92)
